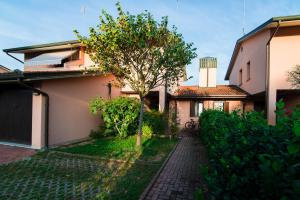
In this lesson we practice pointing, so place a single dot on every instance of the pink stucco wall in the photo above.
(183, 113)
(284, 56)
(253, 50)
(69, 118)
(3, 70)
(183, 109)
(38, 121)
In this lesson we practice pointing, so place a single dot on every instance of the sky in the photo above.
(213, 26)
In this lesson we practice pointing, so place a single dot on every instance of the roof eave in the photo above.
(212, 97)
(268, 24)
(31, 48)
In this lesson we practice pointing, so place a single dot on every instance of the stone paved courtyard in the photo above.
(55, 176)
(181, 175)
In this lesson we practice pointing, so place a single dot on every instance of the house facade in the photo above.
(261, 61)
(189, 101)
(47, 103)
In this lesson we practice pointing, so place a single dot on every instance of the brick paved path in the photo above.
(181, 175)
(10, 153)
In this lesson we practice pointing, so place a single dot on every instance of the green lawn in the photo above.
(114, 169)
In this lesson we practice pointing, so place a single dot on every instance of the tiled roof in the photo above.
(218, 91)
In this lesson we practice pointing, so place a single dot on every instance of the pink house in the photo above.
(47, 103)
(4, 69)
(189, 101)
(261, 60)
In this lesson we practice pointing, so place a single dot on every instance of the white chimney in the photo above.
(208, 72)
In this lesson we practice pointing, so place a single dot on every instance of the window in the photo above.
(240, 76)
(196, 108)
(248, 71)
(219, 105)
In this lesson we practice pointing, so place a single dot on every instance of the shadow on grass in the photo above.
(135, 176)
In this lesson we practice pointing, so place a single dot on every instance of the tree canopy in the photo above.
(294, 77)
(138, 51)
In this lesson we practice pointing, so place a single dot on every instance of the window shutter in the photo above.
(192, 108)
(226, 107)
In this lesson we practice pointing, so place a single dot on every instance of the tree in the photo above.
(294, 77)
(138, 51)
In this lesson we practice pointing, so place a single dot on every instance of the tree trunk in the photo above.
(139, 136)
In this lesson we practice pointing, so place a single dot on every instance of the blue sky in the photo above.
(213, 26)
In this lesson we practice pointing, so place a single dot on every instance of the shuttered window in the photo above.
(219, 105)
(226, 107)
(192, 108)
(248, 71)
(196, 108)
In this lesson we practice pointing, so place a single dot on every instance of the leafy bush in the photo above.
(96, 134)
(156, 121)
(147, 130)
(173, 123)
(249, 159)
(119, 114)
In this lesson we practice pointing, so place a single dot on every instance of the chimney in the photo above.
(208, 72)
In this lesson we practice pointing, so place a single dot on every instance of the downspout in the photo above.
(14, 58)
(268, 69)
(20, 82)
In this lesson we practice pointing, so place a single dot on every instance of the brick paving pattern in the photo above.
(55, 176)
(181, 176)
(10, 153)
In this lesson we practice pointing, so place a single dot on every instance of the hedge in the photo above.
(249, 159)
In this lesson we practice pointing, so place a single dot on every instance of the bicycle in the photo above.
(191, 124)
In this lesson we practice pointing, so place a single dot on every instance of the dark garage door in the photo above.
(15, 115)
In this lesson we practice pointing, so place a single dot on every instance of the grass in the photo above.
(136, 174)
(124, 172)
(118, 148)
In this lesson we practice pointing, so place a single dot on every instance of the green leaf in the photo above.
(297, 128)
(296, 185)
(293, 148)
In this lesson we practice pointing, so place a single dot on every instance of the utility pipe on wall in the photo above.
(267, 84)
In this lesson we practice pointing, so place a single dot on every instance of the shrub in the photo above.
(95, 134)
(147, 131)
(119, 114)
(249, 159)
(156, 120)
(173, 122)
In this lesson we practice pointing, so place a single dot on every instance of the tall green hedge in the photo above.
(249, 159)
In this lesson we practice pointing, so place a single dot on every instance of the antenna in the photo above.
(244, 17)
(82, 10)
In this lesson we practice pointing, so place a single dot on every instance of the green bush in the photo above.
(147, 131)
(173, 123)
(156, 120)
(249, 159)
(119, 114)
